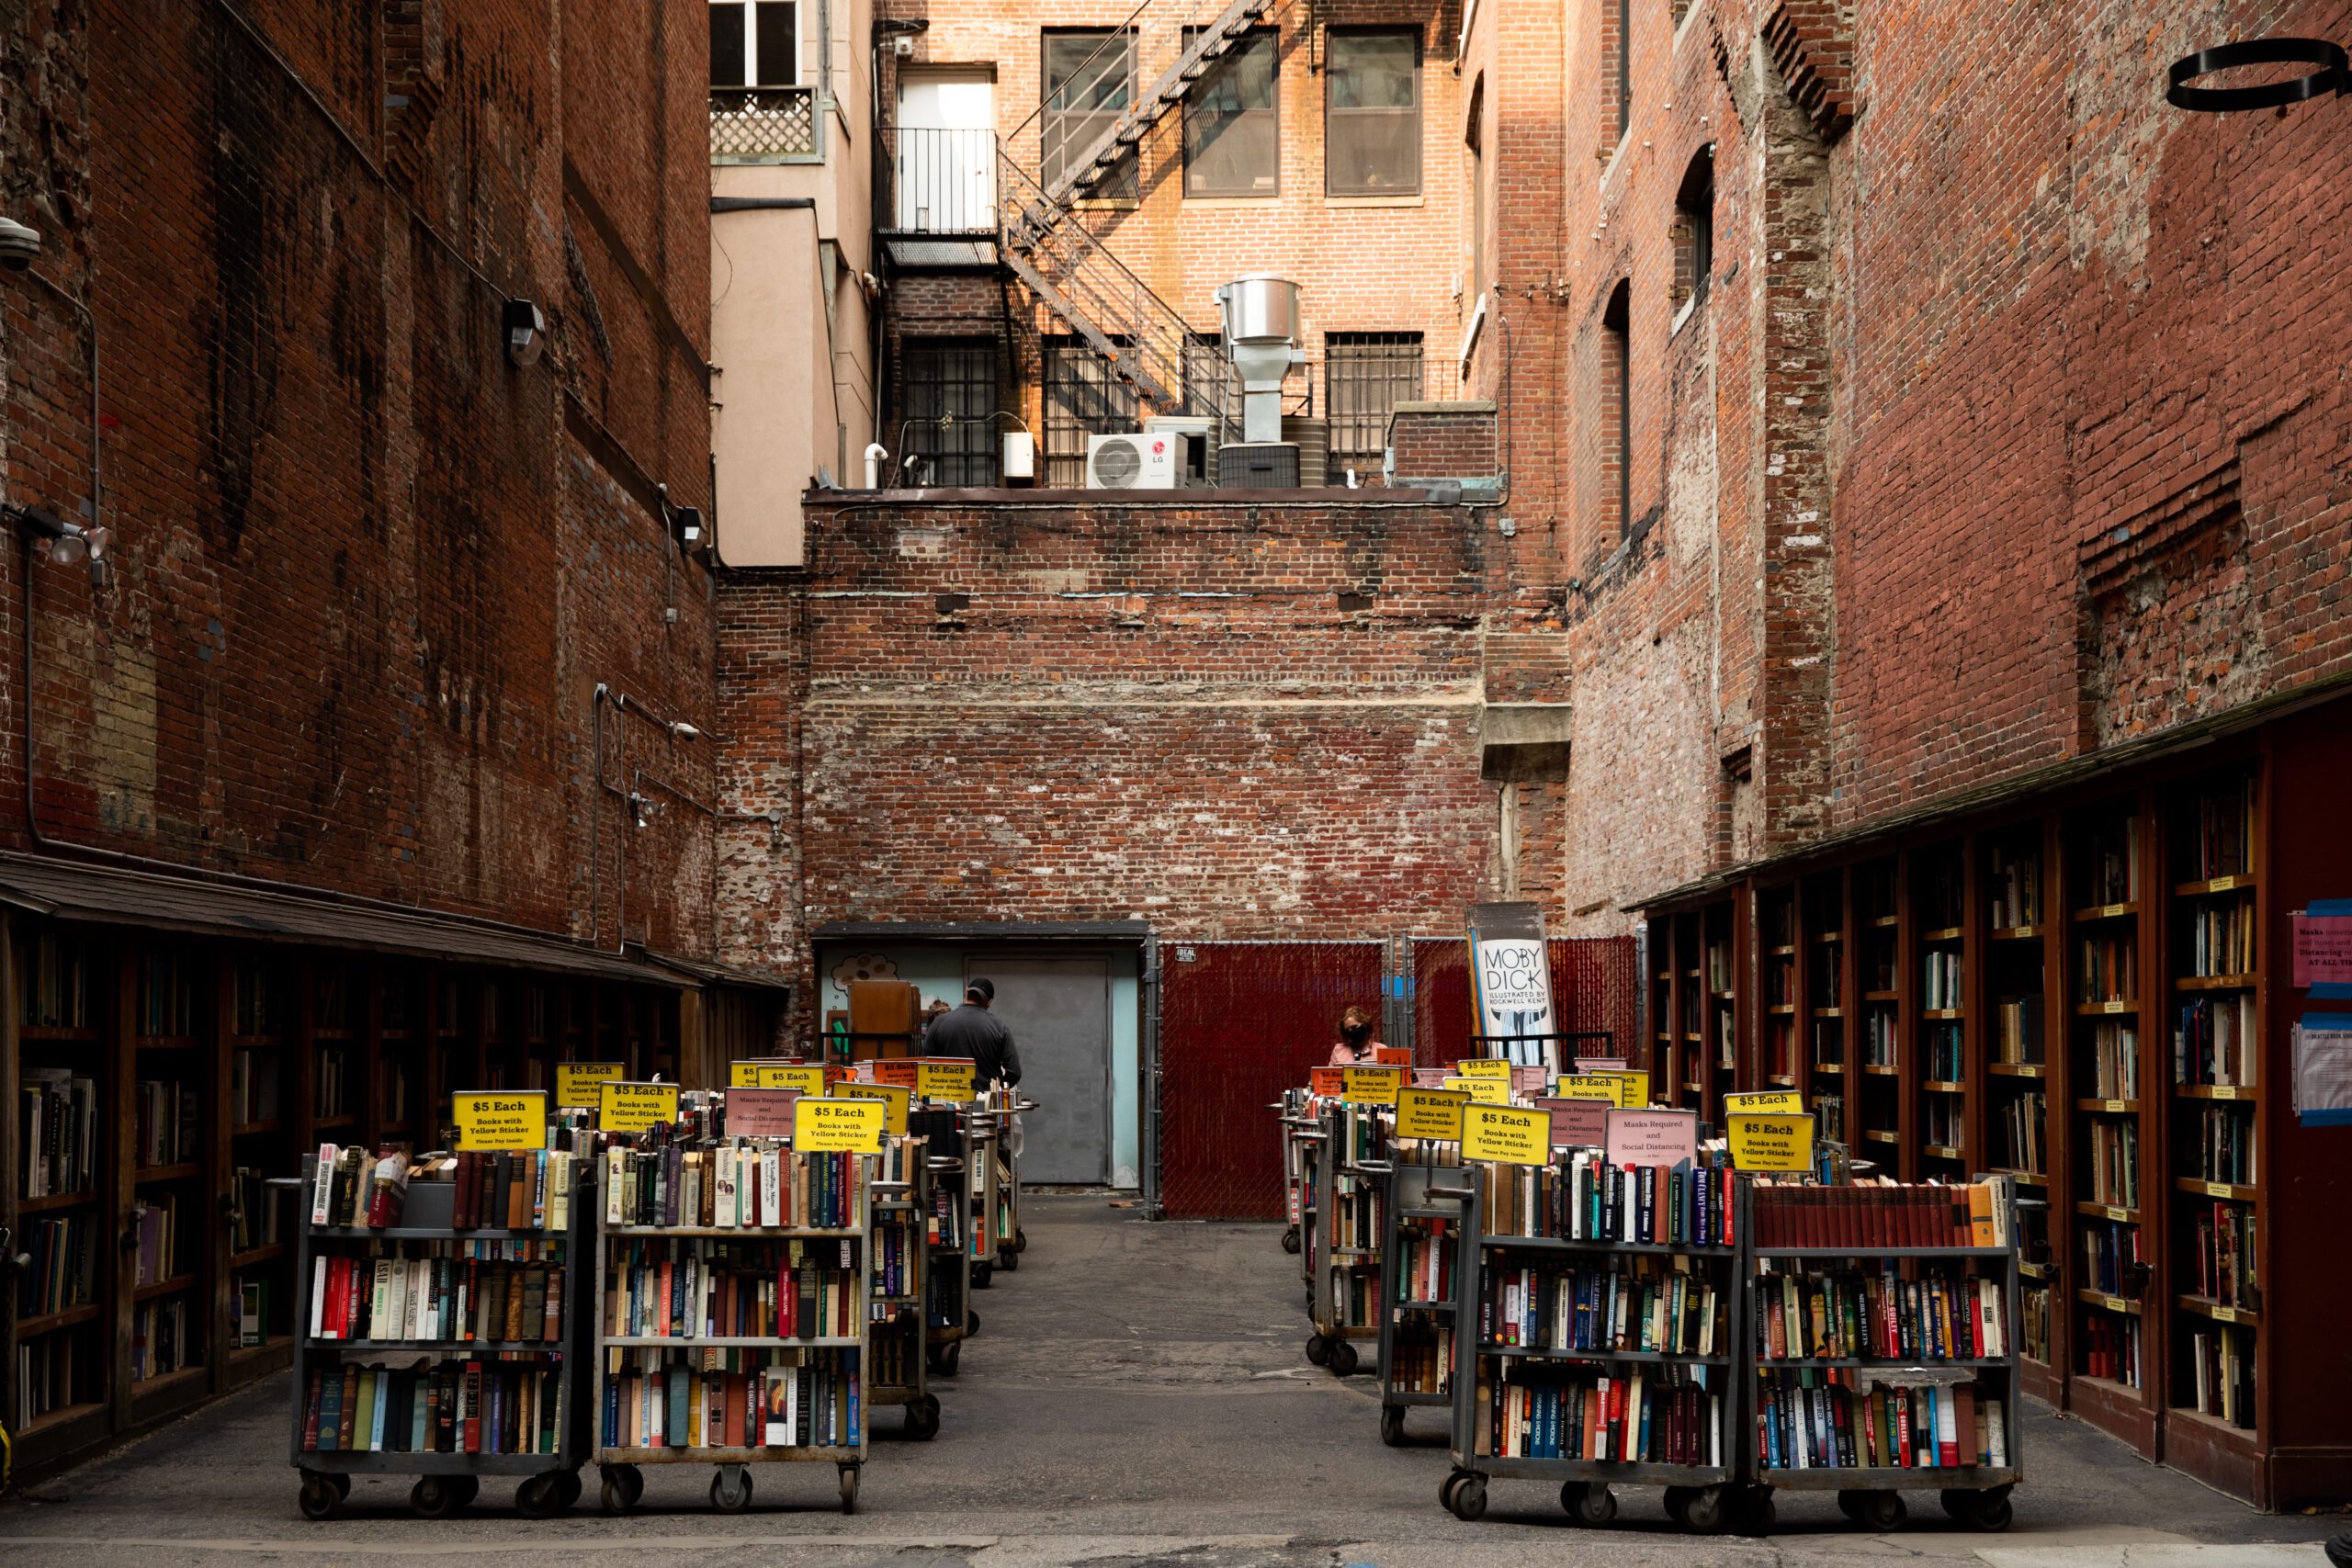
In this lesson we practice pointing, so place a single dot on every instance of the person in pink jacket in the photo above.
(1356, 1048)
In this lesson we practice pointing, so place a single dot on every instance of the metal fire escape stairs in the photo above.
(1065, 263)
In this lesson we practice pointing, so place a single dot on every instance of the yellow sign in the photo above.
(1506, 1133)
(809, 1079)
(1482, 1092)
(837, 1126)
(893, 1098)
(1591, 1086)
(1484, 1068)
(634, 1106)
(575, 1082)
(509, 1119)
(1431, 1113)
(1371, 1086)
(748, 1075)
(1633, 1090)
(1774, 1101)
(947, 1080)
(1770, 1142)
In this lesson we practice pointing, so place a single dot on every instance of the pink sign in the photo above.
(760, 1112)
(1528, 1079)
(1430, 1077)
(1652, 1138)
(1576, 1123)
(1601, 1064)
(2323, 950)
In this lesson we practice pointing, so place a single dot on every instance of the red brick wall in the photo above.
(1455, 442)
(367, 572)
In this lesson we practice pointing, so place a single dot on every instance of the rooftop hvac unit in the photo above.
(1135, 461)
(1196, 438)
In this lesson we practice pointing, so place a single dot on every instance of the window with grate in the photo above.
(1371, 112)
(1365, 376)
(1694, 232)
(1616, 416)
(1090, 80)
(949, 398)
(1232, 137)
(1083, 397)
(754, 44)
(1212, 386)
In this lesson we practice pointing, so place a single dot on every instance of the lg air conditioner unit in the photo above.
(1135, 460)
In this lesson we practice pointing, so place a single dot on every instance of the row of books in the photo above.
(258, 1210)
(2219, 938)
(160, 1344)
(57, 1131)
(331, 1083)
(1424, 1262)
(1942, 1056)
(2024, 1121)
(63, 1270)
(2112, 1262)
(2110, 1348)
(253, 1297)
(158, 1240)
(1878, 1037)
(2221, 1373)
(1849, 1313)
(54, 973)
(2224, 1255)
(253, 1001)
(2110, 874)
(2222, 1144)
(166, 1113)
(733, 1399)
(730, 1185)
(1355, 1297)
(700, 1288)
(2113, 1161)
(1421, 1358)
(1943, 1122)
(2115, 1061)
(1830, 1419)
(897, 1249)
(1657, 1415)
(2222, 838)
(1868, 1215)
(1634, 1306)
(2013, 890)
(2214, 1040)
(2109, 970)
(1582, 1197)
(446, 1407)
(525, 1191)
(51, 1372)
(2017, 1029)
(253, 1087)
(1360, 1215)
(452, 1293)
(1940, 984)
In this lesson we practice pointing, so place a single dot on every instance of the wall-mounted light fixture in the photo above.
(526, 332)
(2333, 74)
(18, 245)
(64, 542)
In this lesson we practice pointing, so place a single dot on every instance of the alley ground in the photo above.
(1137, 1394)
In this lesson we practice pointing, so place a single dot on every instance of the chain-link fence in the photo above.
(1240, 1022)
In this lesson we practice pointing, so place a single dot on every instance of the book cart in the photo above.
(984, 1196)
(1931, 1399)
(457, 1404)
(1418, 1325)
(1296, 1127)
(1003, 1105)
(1309, 1136)
(1343, 1301)
(898, 1206)
(1692, 1399)
(643, 1399)
(948, 1317)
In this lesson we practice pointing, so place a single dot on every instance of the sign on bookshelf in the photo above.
(636, 1107)
(1777, 1101)
(837, 1126)
(1506, 1133)
(1431, 1113)
(504, 1121)
(892, 1097)
(949, 1078)
(1652, 1138)
(1370, 1086)
(1762, 1141)
(757, 1112)
(576, 1082)
(1482, 1091)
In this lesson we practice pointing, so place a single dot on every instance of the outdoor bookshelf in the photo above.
(1780, 968)
(1827, 981)
(1943, 951)
(1345, 1303)
(2019, 1137)
(1425, 1203)
(1877, 1101)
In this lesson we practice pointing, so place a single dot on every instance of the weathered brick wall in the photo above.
(1230, 719)
(367, 572)
(1455, 440)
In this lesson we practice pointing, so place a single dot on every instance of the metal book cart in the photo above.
(730, 1484)
(1344, 1301)
(1298, 1129)
(899, 1347)
(948, 1318)
(1872, 1495)
(447, 1481)
(1011, 1240)
(1308, 1136)
(981, 1145)
(1418, 1195)
(1703, 1498)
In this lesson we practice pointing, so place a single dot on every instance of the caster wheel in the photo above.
(922, 1418)
(1676, 1499)
(1391, 1426)
(1020, 1239)
(1879, 1511)
(1290, 1240)
(849, 1489)
(1596, 1505)
(1849, 1505)
(981, 1274)
(1758, 1515)
(1343, 1358)
(540, 1497)
(342, 1485)
(1987, 1511)
(468, 1488)
(1705, 1511)
(1469, 1502)
(971, 1324)
(318, 1499)
(1446, 1488)
(632, 1485)
(437, 1497)
(615, 1496)
(731, 1489)
(946, 1358)
(568, 1487)
(1008, 1259)
(1318, 1350)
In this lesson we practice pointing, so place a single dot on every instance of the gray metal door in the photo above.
(1059, 1012)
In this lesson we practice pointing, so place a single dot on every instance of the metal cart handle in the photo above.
(1372, 1167)
(1460, 1194)
(946, 1162)
(890, 1186)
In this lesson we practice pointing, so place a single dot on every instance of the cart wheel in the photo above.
(1704, 1511)
(981, 1274)
(469, 1487)
(1391, 1426)
(1020, 1239)
(632, 1485)
(1676, 1499)
(1595, 1505)
(1987, 1511)
(731, 1489)
(342, 1485)
(849, 1489)
(1850, 1503)
(1757, 1514)
(971, 1323)
(568, 1487)
(1343, 1358)
(318, 1498)
(1879, 1511)
(1446, 1488)
(1469, 1502)
(922, 1418)
(1290, 1240)
(1008, 1258)
(1318, 1350)
(539, 1497)
(437, 1497)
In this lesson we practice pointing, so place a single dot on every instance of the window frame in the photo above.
(1125, 183)
(1121, 406)
(1379, 369)
(1334, 39)
(751, 57)
(978, 466)
(1271, 37)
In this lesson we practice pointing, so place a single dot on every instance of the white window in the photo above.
(754, 44)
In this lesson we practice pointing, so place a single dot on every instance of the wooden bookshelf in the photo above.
(1938, 974)
(1876, 1101)
(1781, 1032)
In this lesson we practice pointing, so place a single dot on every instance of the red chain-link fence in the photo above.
(1594, 986)
(1240, 1022)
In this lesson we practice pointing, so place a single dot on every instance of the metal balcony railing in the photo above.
(763, 125)
(936, 181)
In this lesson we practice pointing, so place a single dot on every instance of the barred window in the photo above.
(950, 407)
(1365, 376)
(1082, 398)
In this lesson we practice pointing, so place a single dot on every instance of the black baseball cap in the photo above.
(980, 988)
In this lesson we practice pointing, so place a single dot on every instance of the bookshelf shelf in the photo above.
(35, 1032)
(2241, 882)
(1829, 1012)
(2111, 1009)
(1942, 933)
(2216, 983)
(2105, 1302)
(2205, 1306)
(1942, 1015)
(2093, 913)
(2023, 1178)
(155, 1175)
(1941, 1151)
(1569, 1244)
(256, 1129)
(57, 1417)
(1876, 1070)
(50, 1323)
(1943, 1086)
(1651, 1358)
(2214, 1091)
(2109, 1107)
(2237, 1193)
(1880, 996)
(2109, 1212)
(2016, 934)
(163, 1288)
(49, 1203)
(2017, 1069)
(263, 1254)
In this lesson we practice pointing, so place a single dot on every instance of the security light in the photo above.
(18, 245)
(526, 332)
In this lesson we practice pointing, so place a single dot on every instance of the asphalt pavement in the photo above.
(1137, 1394)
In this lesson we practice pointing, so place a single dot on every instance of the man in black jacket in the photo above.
(972, 1030)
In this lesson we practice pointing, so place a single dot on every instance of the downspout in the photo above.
(1151, 1206)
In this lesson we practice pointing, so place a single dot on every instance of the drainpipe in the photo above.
(1151, 1206)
